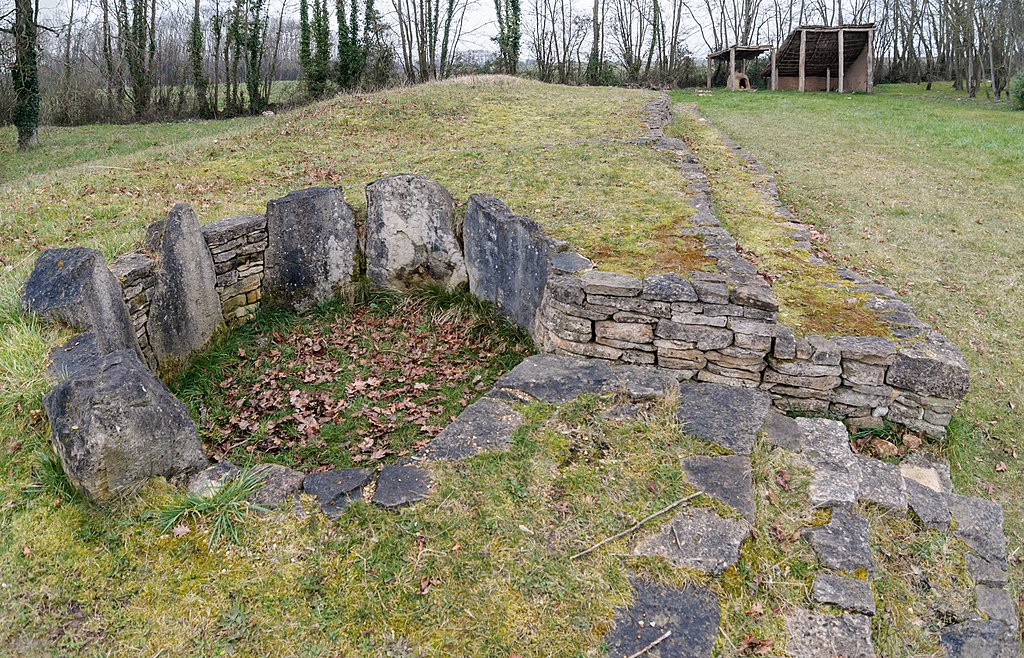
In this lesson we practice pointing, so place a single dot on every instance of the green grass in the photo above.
(924, 197)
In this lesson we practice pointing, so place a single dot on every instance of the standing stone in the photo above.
(75, 287)
(115, 425)
(508, 258)
(311, 249)
(185, 312)
(410, 234)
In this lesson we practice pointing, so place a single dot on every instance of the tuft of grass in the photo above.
(50, 479)
(224, 514)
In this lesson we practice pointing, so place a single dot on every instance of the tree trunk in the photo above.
(25, 75)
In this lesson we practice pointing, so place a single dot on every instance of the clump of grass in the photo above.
(223, 514)
(50, 479)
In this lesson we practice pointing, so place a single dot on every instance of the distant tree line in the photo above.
(122, 60)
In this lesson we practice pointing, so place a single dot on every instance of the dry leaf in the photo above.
(181, 530)
(1000, 467)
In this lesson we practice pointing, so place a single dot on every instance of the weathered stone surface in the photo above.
(728, 416)
(821, 635)
(815, 383)
(997, 605)
(398, 486)
(828, 439)
(185, 311)
(699, 539)
(570, 262)
(978, 639)
(755, 295)
(851, 594)
(311, 249)
(279, 484)
(596, 282)
(803, 368)
(866, 349)
(881, 483)
(711, 292)
(931, 367)
(486, 425)
(785, 343)
(705, 338)
(508, 258)
(75, 287)
(783, 431)
(993, 573)
(725, 478)
(334, 490)
(930, 506)
(232, 228)
(668, 288)
(78, 352)
(843, 543)
(558, 379)
(979, 523)
(209, 481)
(115, 425)
(410, 234)
(928, 471)
(690, 615)
(633, 332)
(833, 482)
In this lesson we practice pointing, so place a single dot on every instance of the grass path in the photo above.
(923, 194)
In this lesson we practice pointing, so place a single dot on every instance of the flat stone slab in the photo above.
(930, 506)
(699, 539)
(881, 483)
(334, 490)
(689, 615)
(398, 486)
(826, 439)
(833, 483)
(559, 379)
(783, 431)
(997, 605)
(728, 416)
(850, 594)
(821, 635)
(979, 523)
(279, 484)
(994, 573)
(978, 639)
(927, 471)
(843, 544)
(725, 478)
(487, 425)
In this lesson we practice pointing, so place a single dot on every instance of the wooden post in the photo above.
(871, 62)
(842, 60)
(803, 59)
(775, 71)
(709, 71)
(732, 69)
(828, 79)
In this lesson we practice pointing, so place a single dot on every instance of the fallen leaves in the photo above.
(373, 374)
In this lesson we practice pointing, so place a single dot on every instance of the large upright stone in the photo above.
(75, 287)
(311, 251)
(508, 258)
(185, 311)
(410, 234)
(115, 425)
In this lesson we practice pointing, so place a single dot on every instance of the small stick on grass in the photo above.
(652, 645)
(636, 525)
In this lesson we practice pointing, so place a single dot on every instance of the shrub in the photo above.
(1017, 92)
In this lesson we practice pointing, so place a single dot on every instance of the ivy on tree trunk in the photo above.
(26, 75)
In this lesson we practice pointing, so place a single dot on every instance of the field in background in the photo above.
(924, 196)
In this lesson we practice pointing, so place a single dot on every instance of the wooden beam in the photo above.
(775, 71)
(828, 79)
(709, 71)
(803, 59)
(871, 62)
(732, 69)
(842, 61)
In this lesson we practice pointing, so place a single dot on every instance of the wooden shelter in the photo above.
(737, 79)
(823, 58)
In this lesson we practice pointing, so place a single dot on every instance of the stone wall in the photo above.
(237, 245)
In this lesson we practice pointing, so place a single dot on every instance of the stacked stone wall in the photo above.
(237, 245)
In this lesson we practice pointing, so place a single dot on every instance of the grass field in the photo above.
(922, 195)
(916, 192)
